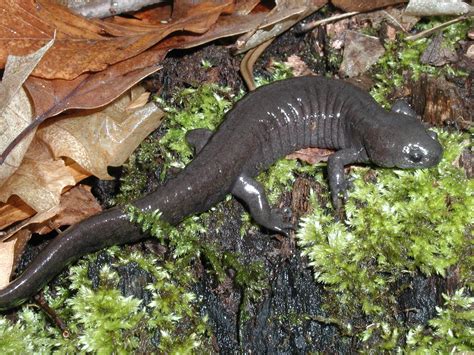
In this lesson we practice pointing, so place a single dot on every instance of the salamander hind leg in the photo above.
(252, 194)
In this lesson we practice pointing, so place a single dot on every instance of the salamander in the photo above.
(265, 125)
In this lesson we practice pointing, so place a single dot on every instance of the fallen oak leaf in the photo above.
(17, 210)
(76, 205)
(37, 219)
(284, 15)
(83, 45)
(13, 211)
(52, 97)
(15, 107)
(38, 183)
(6, 261)
(311, 155)
(14, 119)
(10, 253)
(104, 138)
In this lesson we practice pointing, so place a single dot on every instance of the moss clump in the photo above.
(191, 109)
(402, 60)
(278, 71)
(136, 171)
(404, 222)
(101, 320)
(452, 329)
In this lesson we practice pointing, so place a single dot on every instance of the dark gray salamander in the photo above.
(264, 126)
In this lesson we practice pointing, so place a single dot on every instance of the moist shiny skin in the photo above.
(265, 125)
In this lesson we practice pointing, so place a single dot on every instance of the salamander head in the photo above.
(402, 141)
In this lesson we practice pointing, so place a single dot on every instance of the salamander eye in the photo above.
(414, 153)
(416, 157)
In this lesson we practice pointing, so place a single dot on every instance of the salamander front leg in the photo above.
(337, 181)
(252, 194)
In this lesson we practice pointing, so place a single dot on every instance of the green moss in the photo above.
(278, 178)
(136, 171)
(452, 330)
(183, 240)
(404, 222)
(190, 109)
(402, 60)
(103, 321)
(278, 71)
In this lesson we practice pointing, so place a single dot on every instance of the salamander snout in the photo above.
(421, 153)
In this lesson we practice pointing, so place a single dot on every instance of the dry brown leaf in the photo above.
(17, 210)
(15, 118)
(10, 253)
(6, 261)
(284, 15)
(13, 211)
(76, 205)
(138, 101)
(101, 139)
(353, 64)
(15, 108)
(364, 5)
(82, 45)
(35, 220)
(311, 155)
(38, 183)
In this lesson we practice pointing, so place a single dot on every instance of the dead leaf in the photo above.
(36, 219)
(38, 183)
(15, 108)
(87, 46)
(101, 139)
(364, 5)
(10, 253)
(87, 91)
(138, 102)
(284, 15)
(437, 53)
(6, 261)
(298, 66)
(76, 205)
(17, 210)
(354, 64)
(311, 155)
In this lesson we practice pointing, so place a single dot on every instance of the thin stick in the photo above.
(248, 62)
(310, 25)
(434, 29)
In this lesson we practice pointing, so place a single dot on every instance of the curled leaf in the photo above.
(104, 138)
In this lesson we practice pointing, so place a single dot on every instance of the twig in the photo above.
(310, 25)
(41, 302)
(246, 66)
(434, 29)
